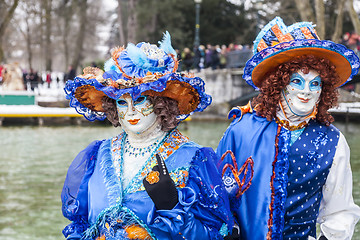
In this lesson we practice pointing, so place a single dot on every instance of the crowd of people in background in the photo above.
(32, 78)
(214, 57)
(201, 57)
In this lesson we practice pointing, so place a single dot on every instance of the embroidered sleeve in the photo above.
(75, 193)
(338, 212)
(203, 210)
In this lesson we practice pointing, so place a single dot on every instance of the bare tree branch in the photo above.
(305, 10)
(320, 18)
(339, 21)
(3, 25)
(354, 17)
(120, 22)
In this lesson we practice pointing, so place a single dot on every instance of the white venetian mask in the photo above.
(303, 92)
(135, 116)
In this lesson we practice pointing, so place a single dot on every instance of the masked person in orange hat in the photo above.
(150, 181)
(301, 165)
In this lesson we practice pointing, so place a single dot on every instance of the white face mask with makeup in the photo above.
(302, 94)
(136, 117)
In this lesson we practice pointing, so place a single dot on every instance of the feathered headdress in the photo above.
(138, 69)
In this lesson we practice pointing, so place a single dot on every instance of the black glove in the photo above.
(160, 187)
(234, 235)
(322, 238)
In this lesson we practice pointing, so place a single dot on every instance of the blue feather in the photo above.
(138, 57)
(110, 65)
(165, 44)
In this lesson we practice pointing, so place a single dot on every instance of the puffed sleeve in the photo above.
(203, 210)
(74, 195)
(338, 212)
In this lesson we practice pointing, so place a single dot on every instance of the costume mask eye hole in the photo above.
(121, 102)
(140, 100)
(296, 81)
(315, 84)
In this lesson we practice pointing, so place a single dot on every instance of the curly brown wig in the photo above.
(267, 102)
(165, 108)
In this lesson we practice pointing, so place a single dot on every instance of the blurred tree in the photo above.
(46, 6)
(320, 18)
(65, 12)
(79, 44)
(305, 9)
(332, 17)
(354, 16)
(336, 37)
(132, 22)
(6, 14)
(221, 22)
(28, 23)
(120, 23)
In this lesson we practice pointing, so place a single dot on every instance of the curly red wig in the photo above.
(165, 108)
(266, 103)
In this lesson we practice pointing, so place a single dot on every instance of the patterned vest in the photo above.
(310, 159)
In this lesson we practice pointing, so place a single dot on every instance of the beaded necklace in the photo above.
(138, 174)
(138, 151)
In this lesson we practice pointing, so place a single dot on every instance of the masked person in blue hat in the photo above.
(150, 181)
(301, 163)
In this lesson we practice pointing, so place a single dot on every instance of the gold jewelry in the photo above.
(285, 124)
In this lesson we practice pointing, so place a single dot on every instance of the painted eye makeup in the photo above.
(315, 84)
(297, 81)
(140, 100)
(121, 103)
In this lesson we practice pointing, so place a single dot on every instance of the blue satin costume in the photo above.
(288, 175)
(99, 208)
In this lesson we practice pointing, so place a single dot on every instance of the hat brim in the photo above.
(91, 98)
(86, 95)
(185, 95)
(182, 92)
(343, 67)
(263, 62)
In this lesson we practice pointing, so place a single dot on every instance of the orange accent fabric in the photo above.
(280, 36)
(186, 96)
(90, 97)
(102, 237)
(246, 109)
(307, 33)
(271, 206)
(234, 169)
(262, 45)
(137, 232)
(286, 38)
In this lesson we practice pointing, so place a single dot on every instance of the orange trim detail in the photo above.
(244, 168)
(271, 206)
(262, 45)
(280, 36)
(306, 33)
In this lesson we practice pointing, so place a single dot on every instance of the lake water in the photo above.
(34, 161)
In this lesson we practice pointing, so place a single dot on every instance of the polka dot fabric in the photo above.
(310, 159)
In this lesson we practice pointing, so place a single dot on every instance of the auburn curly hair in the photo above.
(165, 108)
(267, 102)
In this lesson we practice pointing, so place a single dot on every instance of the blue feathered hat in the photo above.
(139, 69)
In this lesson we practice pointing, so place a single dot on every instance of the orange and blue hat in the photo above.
(141, 69)
(277, 43)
